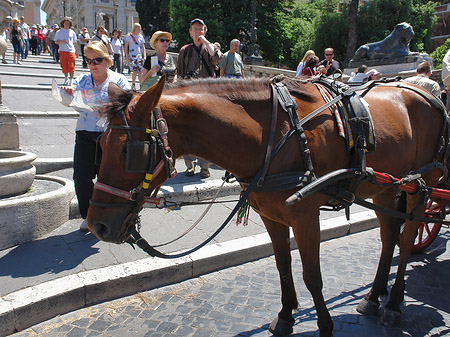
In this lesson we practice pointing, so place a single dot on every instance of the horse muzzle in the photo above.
(110, 229)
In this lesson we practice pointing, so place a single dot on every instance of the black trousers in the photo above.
(116, 63)
(82, 55)
(84, 168)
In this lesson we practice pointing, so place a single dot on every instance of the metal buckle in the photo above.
(162, 127)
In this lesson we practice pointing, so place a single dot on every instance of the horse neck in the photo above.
(225, 133)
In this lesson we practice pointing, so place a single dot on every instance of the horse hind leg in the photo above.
(389, 233)
(392, 313)
(279, 234)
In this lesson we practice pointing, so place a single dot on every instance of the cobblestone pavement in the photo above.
(242, 300)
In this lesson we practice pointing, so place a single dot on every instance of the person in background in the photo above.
(54, 46)
(68, 49)
(231, 64)
(373, 75)
(84, 38)
(166, 63)
(446, 77)
(216, 67)
(118, 52)
(135, 53)
(309, 68)
(301, 64)
(15, 34)
(3, 47)
(26, 37)
(422, 79)
(34, 40)
(40, 39)
(197, 60)
(45, 39)
(101, 35)
(360, 75)
(88, 128)
(330, 64)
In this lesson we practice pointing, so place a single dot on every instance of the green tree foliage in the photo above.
(229, 19)
(225, 19)
(439, 54)
(288, 28)
(153, 15)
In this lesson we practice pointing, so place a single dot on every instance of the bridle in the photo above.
(140, 158)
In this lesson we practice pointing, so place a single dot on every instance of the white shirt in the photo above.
(94, 96)
(446, 70)
(135, 48)
(358, 78)
(116, 44)
(68, 35)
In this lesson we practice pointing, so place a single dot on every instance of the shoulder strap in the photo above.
(205, 64)
(134, 39)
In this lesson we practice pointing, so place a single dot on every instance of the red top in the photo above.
(308, 72)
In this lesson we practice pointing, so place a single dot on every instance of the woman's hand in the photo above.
(68, 90)
(155, 69)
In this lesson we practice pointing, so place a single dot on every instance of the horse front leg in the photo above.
(307, 236)
(389, 232)
(279, 234)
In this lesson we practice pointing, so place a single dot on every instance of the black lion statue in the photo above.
(395, 44)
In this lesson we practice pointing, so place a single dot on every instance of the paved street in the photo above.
(242, 300)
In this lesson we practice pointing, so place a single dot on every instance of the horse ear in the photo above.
(114, 91)
(151, 97)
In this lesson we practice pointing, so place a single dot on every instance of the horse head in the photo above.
(129, 154)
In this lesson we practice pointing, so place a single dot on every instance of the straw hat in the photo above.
(156, 36)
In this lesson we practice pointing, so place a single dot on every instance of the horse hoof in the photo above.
(368, 307)
(390, 317)
(281, 327)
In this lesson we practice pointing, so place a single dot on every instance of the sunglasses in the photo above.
(95, 61)
(329, 54)
(164, 40)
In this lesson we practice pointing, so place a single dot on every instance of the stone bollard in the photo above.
(9, 130)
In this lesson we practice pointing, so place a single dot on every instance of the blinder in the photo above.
(140, 157)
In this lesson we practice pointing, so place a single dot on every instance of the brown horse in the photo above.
(227, 123)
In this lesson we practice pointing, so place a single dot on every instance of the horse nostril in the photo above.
(101, 230)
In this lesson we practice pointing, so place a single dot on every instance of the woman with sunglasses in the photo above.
(93, 87)
(163, 63)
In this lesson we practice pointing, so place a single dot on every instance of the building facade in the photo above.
(441, 30)
(91, 13)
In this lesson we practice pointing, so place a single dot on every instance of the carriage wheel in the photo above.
(428, 231)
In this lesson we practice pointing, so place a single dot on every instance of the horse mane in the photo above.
(117, 103)
(249, 88)
(233, 89)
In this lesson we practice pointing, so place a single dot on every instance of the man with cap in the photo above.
(84, 39)
(197, 60)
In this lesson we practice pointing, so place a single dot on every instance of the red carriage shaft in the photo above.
(410, 187)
